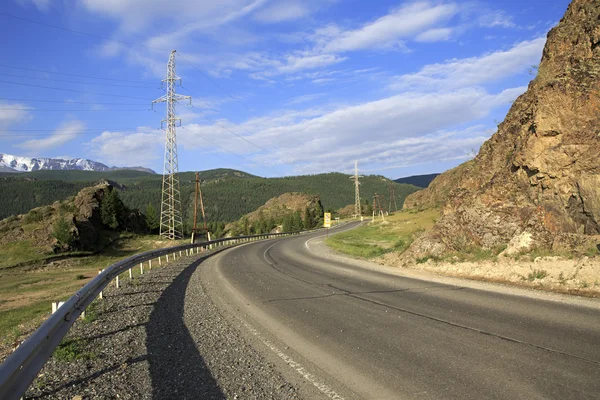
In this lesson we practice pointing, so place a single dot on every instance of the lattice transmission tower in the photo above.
(171, 222)
(357, 208)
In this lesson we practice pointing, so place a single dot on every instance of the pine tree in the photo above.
(307, 219)
(297, 221)
(62, 232)
(152, 218)
(318, 217)
(110, 209)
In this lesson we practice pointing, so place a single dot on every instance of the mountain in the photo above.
(536, 182)
(417, 180)
(228, 194)
(11, 163)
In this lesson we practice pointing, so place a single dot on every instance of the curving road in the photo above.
(342, 331)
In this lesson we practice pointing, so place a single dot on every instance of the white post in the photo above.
(167, 258)
(100, 295)
(141, 268)
(117, 282)
(130, 274)
(180, 253)
(160, 261)
(150, 265)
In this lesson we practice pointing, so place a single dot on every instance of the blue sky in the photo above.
(279, 87)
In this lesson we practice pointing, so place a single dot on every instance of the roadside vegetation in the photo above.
(394, 235)
(27, 291)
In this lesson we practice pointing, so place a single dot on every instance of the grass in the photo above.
(537, 274)
(18, 252)
(26, 293)
(395, 234)
(72, 349)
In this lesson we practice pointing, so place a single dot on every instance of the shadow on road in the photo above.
(177, 369)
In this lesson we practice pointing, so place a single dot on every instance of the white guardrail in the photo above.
(20, 369)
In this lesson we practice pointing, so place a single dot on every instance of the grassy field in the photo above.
(26, 292)
(394, 234)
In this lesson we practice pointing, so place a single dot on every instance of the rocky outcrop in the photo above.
(538, 176)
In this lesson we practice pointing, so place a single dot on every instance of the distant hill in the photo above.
(418, 180)
(228, 194)
(12, 163)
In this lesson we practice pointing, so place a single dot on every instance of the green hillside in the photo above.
(228, 194)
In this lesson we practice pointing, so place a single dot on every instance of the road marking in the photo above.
(329, 392)
(306, 244)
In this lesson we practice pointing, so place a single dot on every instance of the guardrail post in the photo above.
(141, 268)
(167, 258)
(150, 265)
(180, 253)
(130, 274)
(100, 295)
(117, 282)
(160, 261)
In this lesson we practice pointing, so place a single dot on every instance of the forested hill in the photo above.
(422, 181)
(228, 194)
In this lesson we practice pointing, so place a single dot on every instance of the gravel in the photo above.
(161, 337)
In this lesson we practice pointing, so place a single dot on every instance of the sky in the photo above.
(278, 87)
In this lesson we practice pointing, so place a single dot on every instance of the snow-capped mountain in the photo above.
(27, 164)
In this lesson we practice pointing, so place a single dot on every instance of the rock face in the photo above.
(538, 176)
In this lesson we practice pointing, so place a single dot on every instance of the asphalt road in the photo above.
(350, 332)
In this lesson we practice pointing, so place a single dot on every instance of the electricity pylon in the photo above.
(377, 209)
(357, 210)
(171, 223)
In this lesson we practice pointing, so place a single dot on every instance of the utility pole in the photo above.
(377, 210)
(194, 229)
(392, 198)
(171, 223)
(198, 194)
(357, 209)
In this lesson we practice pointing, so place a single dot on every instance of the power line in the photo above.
(79, 82)
(73, 90)
(76, 75)
(78, 32)
(66, 130)
(227, 129)
(73, 110)
(69, 102)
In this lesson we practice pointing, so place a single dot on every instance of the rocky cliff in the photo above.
(536, 181)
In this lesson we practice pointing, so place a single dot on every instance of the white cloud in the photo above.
(11, 114)
(389, 30)
(42, 5)
(378, 131)
(135, 15)
(435, 35)
(282, 11)
(63, 134)
(305, 98)
(128, 149)
(494, 19)
(475, 70)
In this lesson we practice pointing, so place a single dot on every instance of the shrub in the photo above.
(62, 232)
(34, 215)
(537, 274)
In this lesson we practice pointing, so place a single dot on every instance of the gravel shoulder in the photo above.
(159, 337)
(319, 248)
